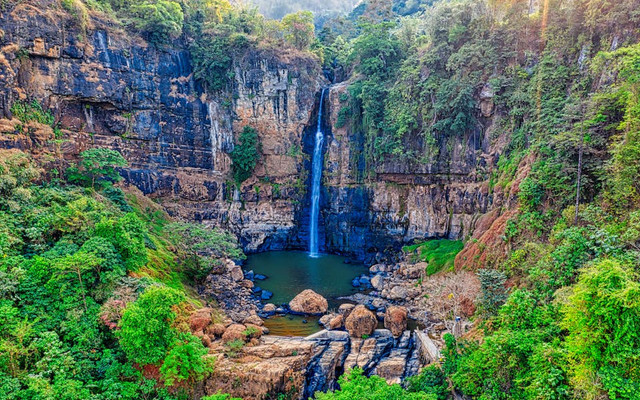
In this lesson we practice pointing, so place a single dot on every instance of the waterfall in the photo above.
(316, 180)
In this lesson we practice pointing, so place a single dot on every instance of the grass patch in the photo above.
(438, 254)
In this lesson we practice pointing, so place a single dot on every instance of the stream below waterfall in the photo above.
(290, 272)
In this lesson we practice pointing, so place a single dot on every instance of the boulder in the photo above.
(266, 295)
(235, 271)
(325, 320)
(246, 284)
(253, 319)
(345, 309)
(269, 308)
(200, 319)
(253, 331)
(309, 302)
(377, 282)
(337, 322)
(398, 293)
(234, 332)
(413, 271)
(395, 319)
(361, 322)
(216, 330)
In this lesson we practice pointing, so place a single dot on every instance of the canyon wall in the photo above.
(443, 197)
(111, 89)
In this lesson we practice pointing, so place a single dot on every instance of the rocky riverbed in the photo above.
(251, 364)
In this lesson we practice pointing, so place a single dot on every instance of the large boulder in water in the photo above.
(395, 319)
(309, 302)
(361, 322)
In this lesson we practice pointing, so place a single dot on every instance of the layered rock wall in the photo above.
(107, 88)
(110, 89)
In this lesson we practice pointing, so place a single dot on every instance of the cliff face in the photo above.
(109, 89)
(441, 198)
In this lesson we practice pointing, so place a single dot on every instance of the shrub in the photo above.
(494, 292)
(185, 361)
(97, 166)
(245, 154)
(32, 111)
(602, 318)
(145, 328)
(354, 385)
(159, 20)
(439, 254)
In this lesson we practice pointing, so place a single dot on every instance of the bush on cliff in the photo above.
(158, 20)
(245, 154)
(96, 166)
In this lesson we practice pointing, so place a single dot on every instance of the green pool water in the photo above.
(290, 272)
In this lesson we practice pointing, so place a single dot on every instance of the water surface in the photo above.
(290, 272)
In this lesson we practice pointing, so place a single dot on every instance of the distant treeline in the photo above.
(277, 9)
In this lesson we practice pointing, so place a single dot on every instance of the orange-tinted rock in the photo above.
(361, 322)
(309, 302)
(234, 332)
(395, 319)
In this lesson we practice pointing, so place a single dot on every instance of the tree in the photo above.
(299, 29)
(602, 316)
(204, 247)
(77, 264)
(97, 165)
(159, 20)
(245, 154)
(354, 385)
(185, 361)
(145, 329)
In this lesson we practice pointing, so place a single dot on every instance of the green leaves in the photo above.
(159, 20)
(354, 385)
(245, 154)
(186, 361)
(145, 329)
(299, 29)
(97, 165)
(602, 316)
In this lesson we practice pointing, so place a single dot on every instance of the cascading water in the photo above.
(316, 179)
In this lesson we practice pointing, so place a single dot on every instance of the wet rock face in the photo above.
(439, 197)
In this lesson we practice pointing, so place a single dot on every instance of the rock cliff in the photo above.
(110, 89)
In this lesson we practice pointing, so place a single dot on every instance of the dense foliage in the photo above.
(92, 300)
(245, 154)
(558, 314)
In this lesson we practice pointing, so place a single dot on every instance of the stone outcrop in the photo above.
(442, 196)
(309, 302)
(360, 322)
(395, 319)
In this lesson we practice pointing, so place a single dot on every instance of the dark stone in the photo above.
(355, 282)
(259, 277)
(257, 289)
(266, 295)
